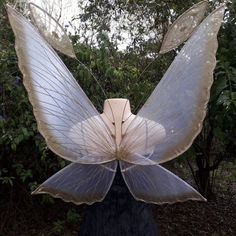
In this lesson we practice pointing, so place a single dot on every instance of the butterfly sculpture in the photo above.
(96, 143)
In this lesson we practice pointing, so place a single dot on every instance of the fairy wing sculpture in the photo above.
(163, 129)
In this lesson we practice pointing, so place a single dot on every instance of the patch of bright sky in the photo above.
(67, 12)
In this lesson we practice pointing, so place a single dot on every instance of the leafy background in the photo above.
(25, 160)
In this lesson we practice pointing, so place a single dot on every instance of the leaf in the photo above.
(218, 86)
(7, 180)
(72, 217)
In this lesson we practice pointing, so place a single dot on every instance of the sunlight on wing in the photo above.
(140, 137)
(51, 30)
(81, 134)
(80, 183)
(179, 101)
(183, 27)
(59, 104)
(155, 184)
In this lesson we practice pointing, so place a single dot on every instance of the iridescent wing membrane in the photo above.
(183, 27)
(179, 101)
(155, 184)
(79, 183)
(59, 104)
(178, 104)
(66, 118)
(51, 30)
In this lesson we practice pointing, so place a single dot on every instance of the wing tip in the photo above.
(198, 197)
(10, 9)
(64, 197)
(164, 48)
(69, 51)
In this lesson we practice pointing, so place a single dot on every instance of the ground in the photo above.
(213, 218)
(216, 217)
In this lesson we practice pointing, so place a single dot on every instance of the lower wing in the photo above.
(80, 183)
(155, 184)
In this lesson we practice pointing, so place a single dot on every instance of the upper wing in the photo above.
(79, 183)
(183, 27)
(178, 103)
(51, 30)
(65, 116)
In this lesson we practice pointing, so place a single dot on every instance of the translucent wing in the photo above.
(178, 103)
(51, 30)
(155, 184)
(66, 118)
(183, 27)
(80, 183)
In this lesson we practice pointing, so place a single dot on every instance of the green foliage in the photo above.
(7, 180)
(115, 75)
(144, 22)
(72, 217)
(71, 220)
(58, 226)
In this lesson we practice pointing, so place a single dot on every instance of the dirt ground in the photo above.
(216, 217)
(213, 218)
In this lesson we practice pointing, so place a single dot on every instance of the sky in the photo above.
(65, 10)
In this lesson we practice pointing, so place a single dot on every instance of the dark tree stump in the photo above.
(119, 215)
